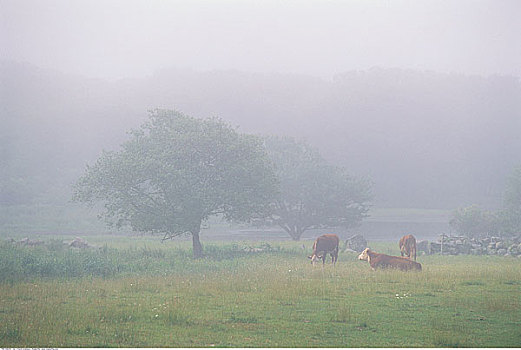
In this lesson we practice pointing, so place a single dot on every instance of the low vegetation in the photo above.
(262, 295)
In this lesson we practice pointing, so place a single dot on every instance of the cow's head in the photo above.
(314, 258)
(364, 255)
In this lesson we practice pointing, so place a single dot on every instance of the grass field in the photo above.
(137, 293)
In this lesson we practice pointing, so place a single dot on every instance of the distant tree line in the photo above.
(419, 134)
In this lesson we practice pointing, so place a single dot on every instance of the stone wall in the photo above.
(455, 245)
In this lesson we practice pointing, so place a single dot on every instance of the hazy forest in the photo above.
(425, 139)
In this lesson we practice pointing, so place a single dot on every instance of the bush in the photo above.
(474, 222)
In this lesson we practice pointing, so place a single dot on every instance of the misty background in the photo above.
(422, 97)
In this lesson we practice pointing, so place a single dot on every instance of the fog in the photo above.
(423, 97)
(117, 39)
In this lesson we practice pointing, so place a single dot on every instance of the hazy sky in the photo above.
(129, 38)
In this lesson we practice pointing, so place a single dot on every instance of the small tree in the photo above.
(474, 222)
(313, 193)
(177, 171)
(511, 212)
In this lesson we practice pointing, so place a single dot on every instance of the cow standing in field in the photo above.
(323, 245)
(377, 260)
(408, 246)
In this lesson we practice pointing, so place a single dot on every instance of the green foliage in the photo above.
(313, 193)
(55, 260)
(511, 212)
(21, 263)
(513, 190)
(474, 222)
(177, 171)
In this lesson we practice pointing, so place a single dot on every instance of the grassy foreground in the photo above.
(159, 297)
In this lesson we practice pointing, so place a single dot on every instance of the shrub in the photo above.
(475, 222)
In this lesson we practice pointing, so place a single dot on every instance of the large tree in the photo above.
(313, 193)
(177, 171)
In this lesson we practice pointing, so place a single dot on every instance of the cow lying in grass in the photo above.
(377, 260)
(323, 245)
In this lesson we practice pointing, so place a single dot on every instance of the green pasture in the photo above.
(137, 292)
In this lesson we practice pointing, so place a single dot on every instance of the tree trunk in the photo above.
(295, 233)
(196, 243)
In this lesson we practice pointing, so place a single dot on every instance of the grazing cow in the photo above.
(323, 245)
(408, 246)
(377, 260)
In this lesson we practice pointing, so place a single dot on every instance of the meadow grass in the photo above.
(160, 297)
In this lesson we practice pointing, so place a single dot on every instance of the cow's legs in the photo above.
(334, 257)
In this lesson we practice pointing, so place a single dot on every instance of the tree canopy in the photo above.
(175, 172)
(313, 193)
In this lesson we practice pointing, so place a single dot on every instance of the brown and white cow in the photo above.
(408, 246)
(377, 260)
(323, 245)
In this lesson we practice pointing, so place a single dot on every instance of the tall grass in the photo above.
(54, 260)
(163, 298)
